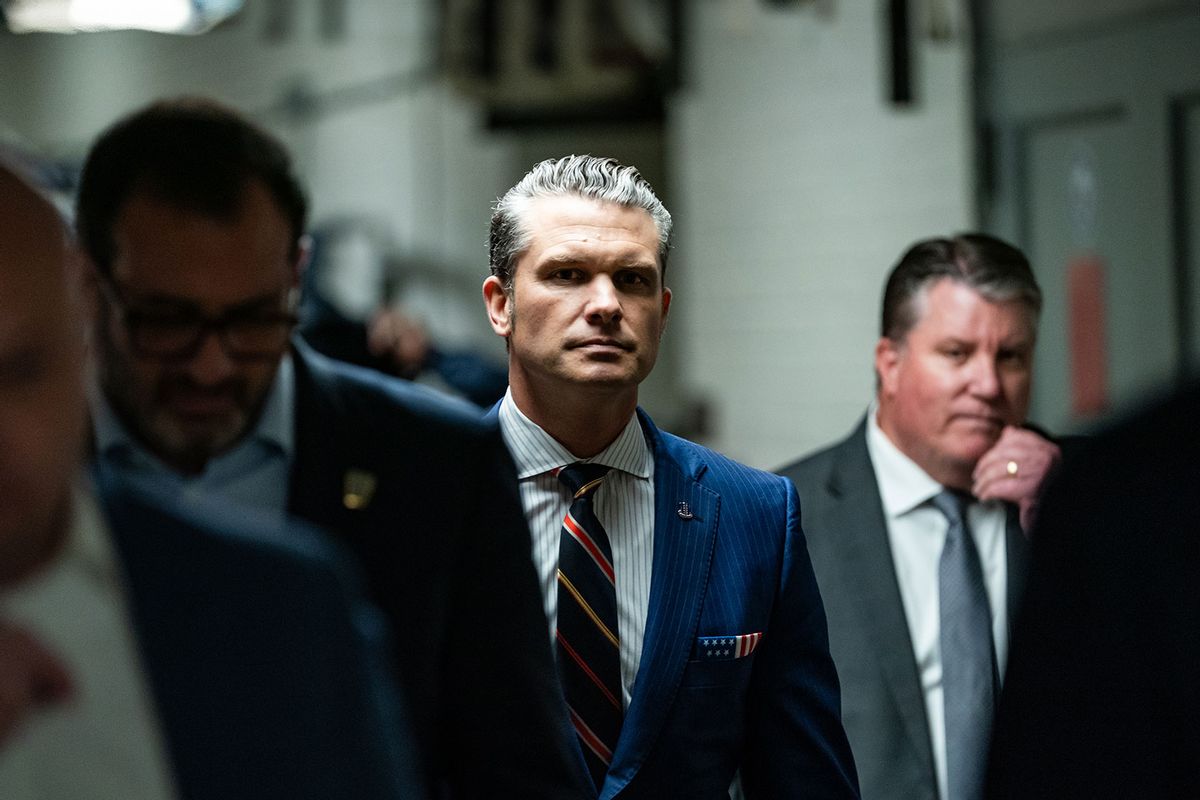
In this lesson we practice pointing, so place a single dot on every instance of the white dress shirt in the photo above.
(105, 740)
(624, 505)
(916, 532)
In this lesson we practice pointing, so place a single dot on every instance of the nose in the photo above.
(985, 377)
(211, 365)
(603, 302)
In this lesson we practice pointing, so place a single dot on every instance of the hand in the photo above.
(1015, 469)
(400, 339)
(31, 677)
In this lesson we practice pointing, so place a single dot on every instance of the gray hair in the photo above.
(592, 177)
(992, 267)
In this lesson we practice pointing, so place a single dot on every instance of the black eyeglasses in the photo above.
(178, 334)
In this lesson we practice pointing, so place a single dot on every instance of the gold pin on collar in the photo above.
(358, 487)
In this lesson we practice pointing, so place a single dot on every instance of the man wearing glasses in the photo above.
(193, 223)
(146, 655)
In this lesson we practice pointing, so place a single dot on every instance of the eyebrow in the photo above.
(568, 260)
(562, 260)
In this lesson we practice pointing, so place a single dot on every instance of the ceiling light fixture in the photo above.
(73, 16)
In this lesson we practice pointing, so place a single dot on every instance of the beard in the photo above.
(149, 407)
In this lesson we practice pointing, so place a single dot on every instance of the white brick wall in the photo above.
(417, 162)
(797, 187)
(794, 184)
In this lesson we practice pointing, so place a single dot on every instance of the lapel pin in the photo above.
(683, 511)
(358, 487)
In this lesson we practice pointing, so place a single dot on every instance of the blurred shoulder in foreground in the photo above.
(1102, 697)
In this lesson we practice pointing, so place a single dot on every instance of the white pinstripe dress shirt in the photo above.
(624, 504)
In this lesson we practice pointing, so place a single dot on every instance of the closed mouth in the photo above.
(201, 405)
(605, 343)
(981, 419)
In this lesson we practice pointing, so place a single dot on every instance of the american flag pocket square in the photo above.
(725, 648)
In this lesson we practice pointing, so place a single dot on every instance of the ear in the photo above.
(666, 309)
(888, 355)
(499, 306)
(304, 249)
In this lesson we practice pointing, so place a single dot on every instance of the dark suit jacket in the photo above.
(328, 331)
(268, 673)
(446, 552)
(733, 563)
(1102, 696)
(883, 705)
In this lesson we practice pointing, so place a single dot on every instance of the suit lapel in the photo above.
(314, 491)
(683, 550)
(857, 515)
(166, 609)
(1017, 549)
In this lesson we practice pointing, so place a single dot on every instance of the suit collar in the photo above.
(315, 439)
(683, 551)
(334, 474)
(901, 482)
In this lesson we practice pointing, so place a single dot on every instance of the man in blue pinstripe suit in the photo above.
(719, 629)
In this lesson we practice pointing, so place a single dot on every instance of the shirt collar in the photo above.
(88, 544)
(536, 452)
(274, 428)
(902, 484)
(86, 549)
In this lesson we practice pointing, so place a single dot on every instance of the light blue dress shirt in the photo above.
(254, 474)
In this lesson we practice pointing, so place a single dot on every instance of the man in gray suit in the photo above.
(915, 522)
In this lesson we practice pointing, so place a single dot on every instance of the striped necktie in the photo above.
(589, 662)
(969, 679)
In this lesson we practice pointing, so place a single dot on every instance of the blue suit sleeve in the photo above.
(795, 742)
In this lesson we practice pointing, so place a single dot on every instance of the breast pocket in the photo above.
(717, 674)
(721, 660)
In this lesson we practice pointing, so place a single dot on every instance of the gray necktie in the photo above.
(969, 679)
